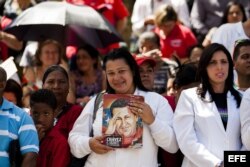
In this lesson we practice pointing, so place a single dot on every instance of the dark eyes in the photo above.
(119, 72)
(214, 62)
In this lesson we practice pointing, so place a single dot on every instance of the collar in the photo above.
(208, 95)
(6, 105)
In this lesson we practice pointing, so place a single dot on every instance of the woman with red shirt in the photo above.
(175, 39)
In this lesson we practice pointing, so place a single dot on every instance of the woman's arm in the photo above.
(162, 128)
(158, 115)
(184, 120)
(79, 136)
(11, 41)
(81, 144)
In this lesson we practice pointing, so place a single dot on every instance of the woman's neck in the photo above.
(59, 109)
(130, 91)
(89, 73)
(219, 88)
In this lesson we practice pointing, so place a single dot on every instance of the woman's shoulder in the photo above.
(151, 95)
(184, 29)
(190, 92)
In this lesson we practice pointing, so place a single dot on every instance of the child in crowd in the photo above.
(54, 148)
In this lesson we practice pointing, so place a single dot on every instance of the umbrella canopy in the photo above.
(67, 23)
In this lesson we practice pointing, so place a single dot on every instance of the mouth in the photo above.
(145, 80)
(220, 75)
(120, 84)
(57, 93)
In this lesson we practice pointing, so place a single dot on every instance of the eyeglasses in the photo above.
(241, 41)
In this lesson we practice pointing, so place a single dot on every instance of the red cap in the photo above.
(142, 59)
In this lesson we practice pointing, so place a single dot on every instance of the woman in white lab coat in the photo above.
(207, 120)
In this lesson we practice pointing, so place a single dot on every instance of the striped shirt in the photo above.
(15, 123)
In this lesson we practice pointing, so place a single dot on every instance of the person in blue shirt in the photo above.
(16, 124)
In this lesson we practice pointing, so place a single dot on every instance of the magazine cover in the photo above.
(121, 128)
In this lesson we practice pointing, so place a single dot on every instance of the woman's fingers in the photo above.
(143, 110)
(97, 145)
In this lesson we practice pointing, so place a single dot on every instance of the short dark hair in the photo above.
(118, 103)
(124, 54)
(185, 75)
(93, 53)
(190, 49)
(238, 44)
(202, 75)
(14, 87)
(43, 96)
(3, 76)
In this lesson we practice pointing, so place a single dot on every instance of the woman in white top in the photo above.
(123, 78)
(207, 120)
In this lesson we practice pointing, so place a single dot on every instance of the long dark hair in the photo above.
(202, 75)
(226, 11)
(123, 53)
(93, 53)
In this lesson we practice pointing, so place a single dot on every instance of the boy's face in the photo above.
(43, 116)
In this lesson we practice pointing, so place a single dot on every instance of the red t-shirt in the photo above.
(112, 10)
(171, 101)
(179, 40)
(66, 121)
(54, 150)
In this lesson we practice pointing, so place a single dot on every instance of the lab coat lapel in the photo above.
(215, 111)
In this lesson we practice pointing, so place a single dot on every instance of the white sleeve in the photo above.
(181, 9)
(79, 135)
(186, 135)
(245, 119)
(198, 14)
(219, 36)
(140, 12)
(162, 128)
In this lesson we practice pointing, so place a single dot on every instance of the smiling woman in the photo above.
(86, 75)
(48, 53)
(123, 77)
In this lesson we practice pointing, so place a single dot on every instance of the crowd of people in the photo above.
(189, 61)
